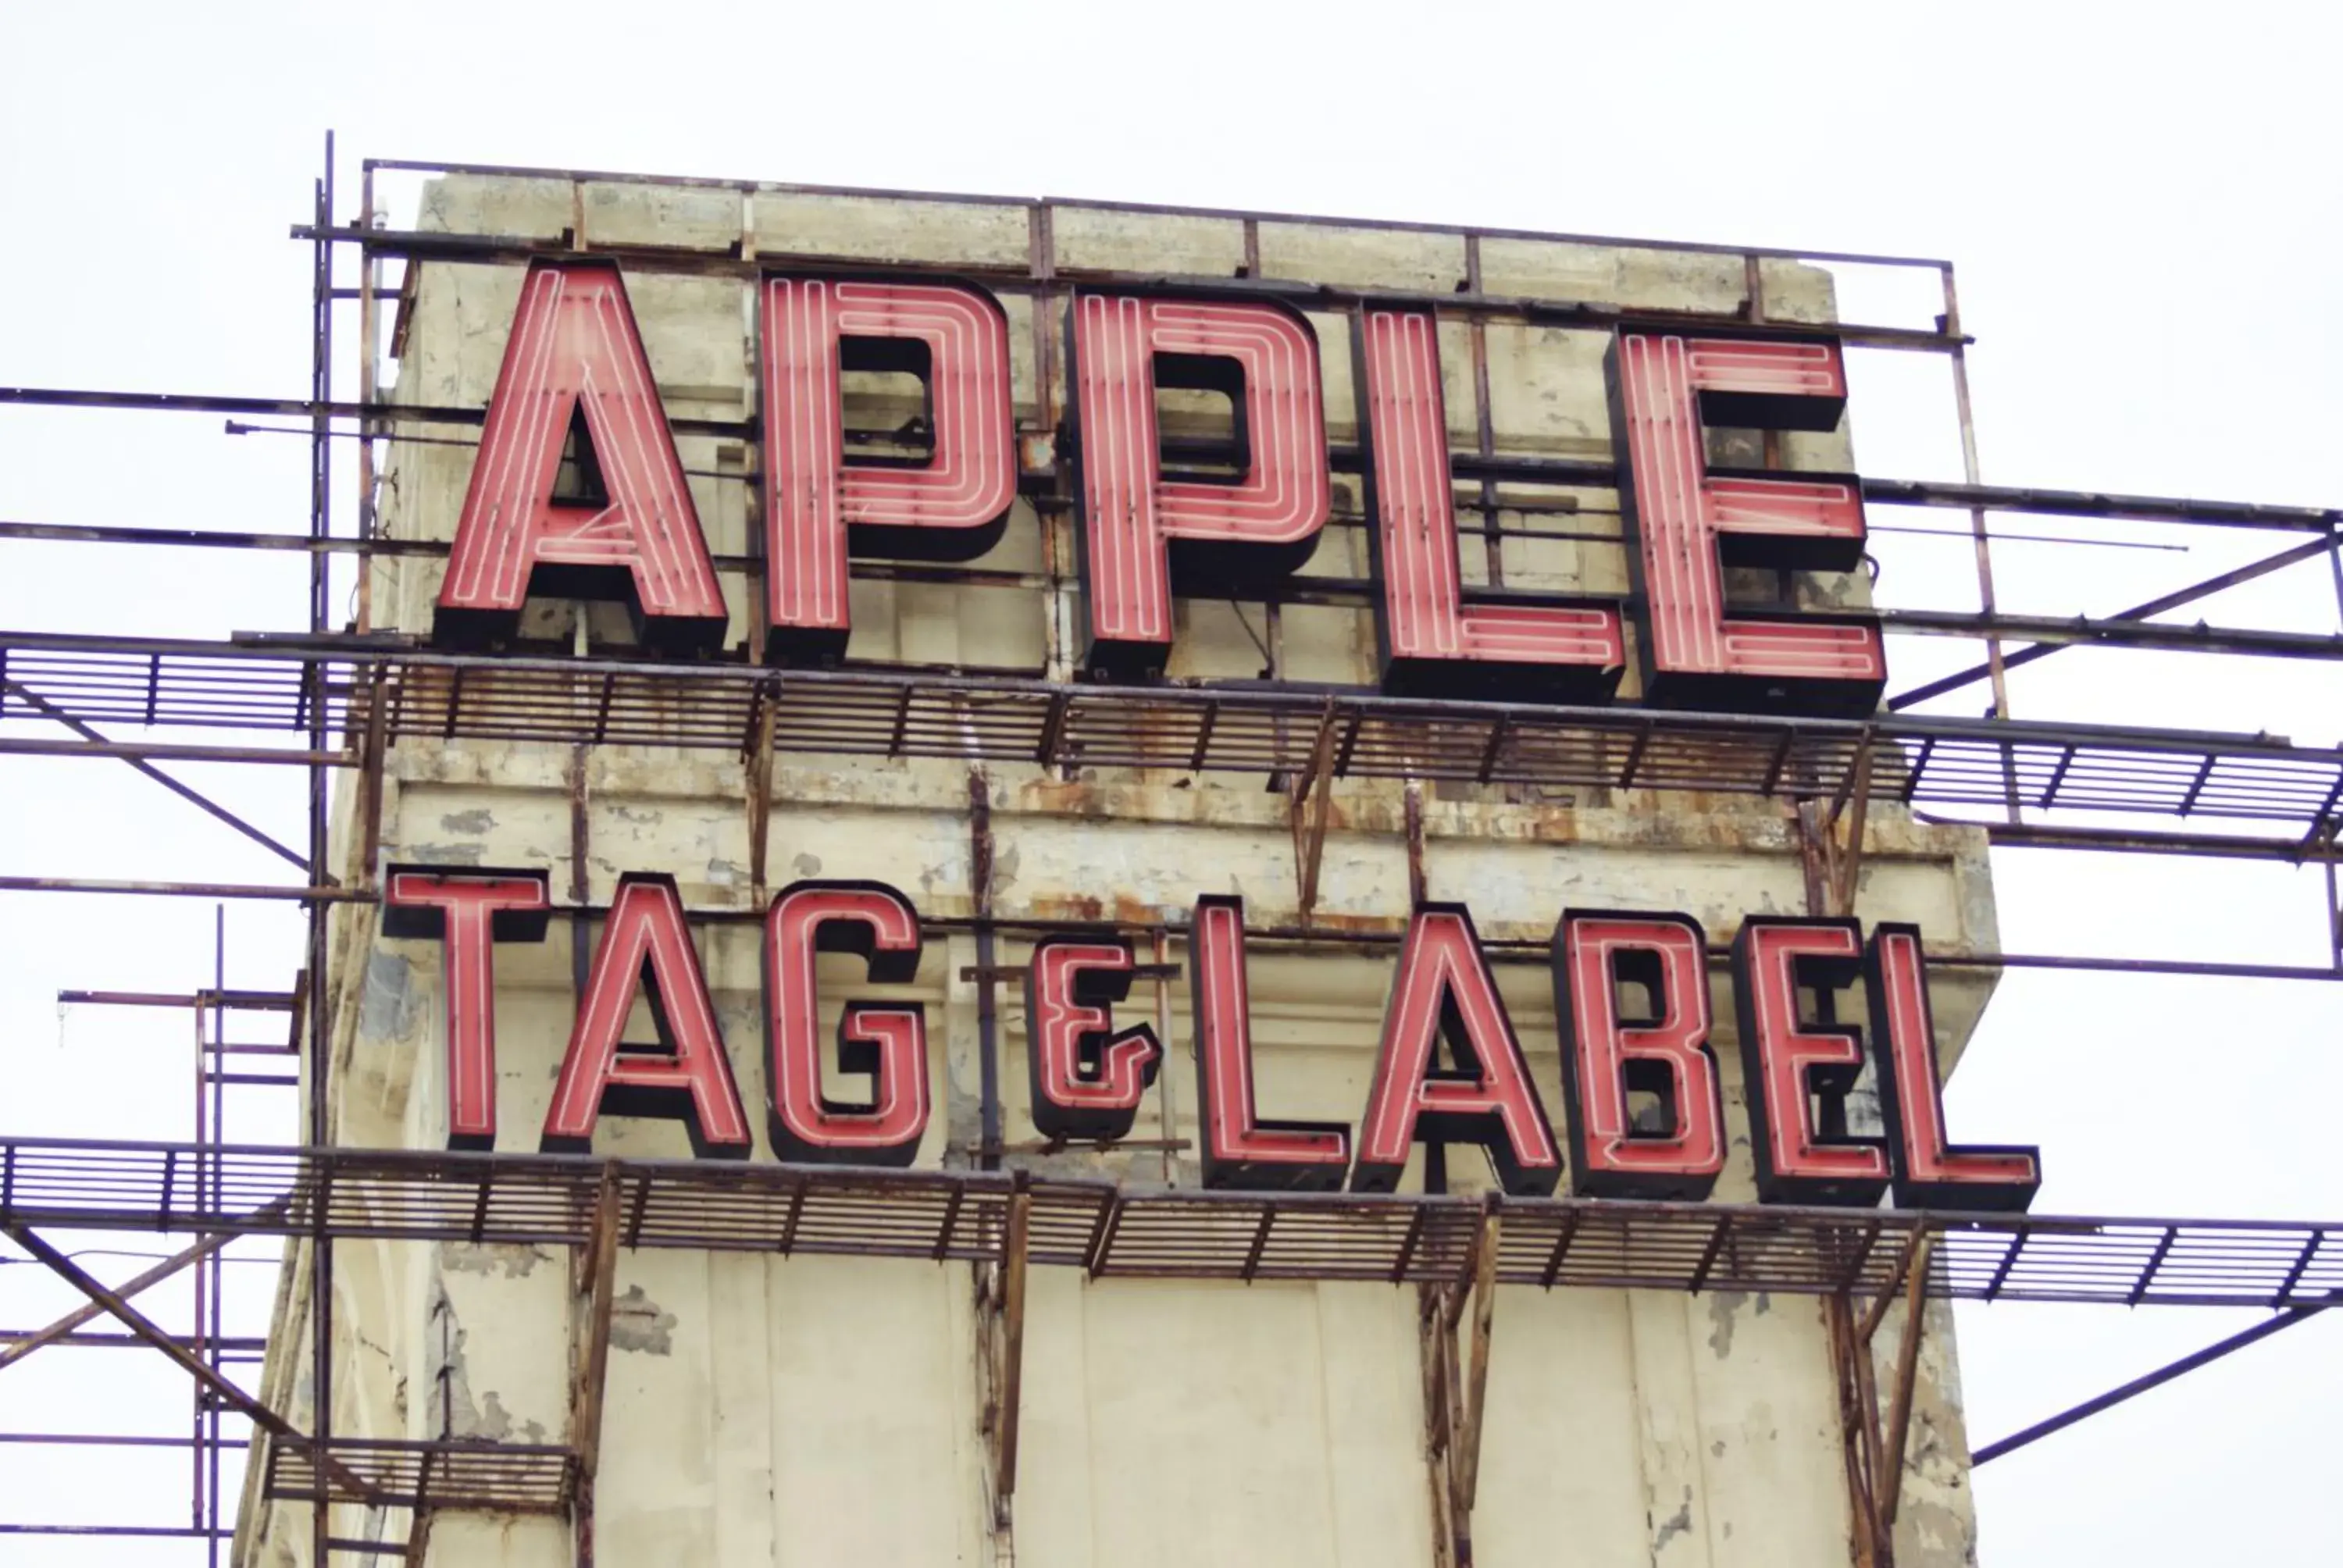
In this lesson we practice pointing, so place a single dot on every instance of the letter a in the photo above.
(628, 530)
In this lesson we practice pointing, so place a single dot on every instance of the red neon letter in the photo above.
(1689, 524)
(1443, 992)
(1788, 1065)
(818, 506)
(1931, 1173)
(889, 1040)
(574, 347)
(1663, 1053)
(1139, 527)
(1432, 642)
(1241, 1150)
(469, 911)
(1089, 1077)
(646, 943)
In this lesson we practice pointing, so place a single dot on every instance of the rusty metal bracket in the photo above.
(1858, 1431)
(1907, 1368)
(1000, 1327)
(593, 1280)
(757, 783)
(1843, 859)
(1308, 807)
(372, 785)
(1455, 1390)
(1874, 1450)
(1467, 1449)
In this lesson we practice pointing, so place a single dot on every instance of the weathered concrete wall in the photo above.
(824, 1411)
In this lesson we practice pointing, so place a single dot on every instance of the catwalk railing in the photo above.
(1116, 1231)
(414, 694)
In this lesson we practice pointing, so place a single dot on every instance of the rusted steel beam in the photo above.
(596, 1278)
(234, 1000)
(1313, 799)
(1857, 1422)
(165, 751)
(94, 1308)
(1868, 1329)
(2115, 631)
(1016, 277)
(757, 784)
(1435, 1339)
(1012, 1347)
(1907, 1369)
(333, 895)
(1477, 1384)
(1045, 206)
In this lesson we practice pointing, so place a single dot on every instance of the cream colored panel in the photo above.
(874, 1429)
(883, 229)
(1560, 1485)
(1419, 260)
(1102, 239)
(681, 217)
(1207, 1426)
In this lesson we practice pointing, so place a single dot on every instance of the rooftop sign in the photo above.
(1088, 1076)
(1148, 526)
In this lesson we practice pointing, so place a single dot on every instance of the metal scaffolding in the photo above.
(341, 696)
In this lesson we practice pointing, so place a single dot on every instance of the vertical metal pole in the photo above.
(196, 1393)
(2334, 907)
(321, 1249)
(215, 1266)
(1166, 1080)
(1980, 537)
(1493, 540)
(368, 331)
(987, 1040)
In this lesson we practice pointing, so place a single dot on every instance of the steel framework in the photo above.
(326, 698)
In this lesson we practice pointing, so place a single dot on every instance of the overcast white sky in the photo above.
(2144, 206)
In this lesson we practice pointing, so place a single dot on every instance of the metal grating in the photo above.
(884, 713)
(503, 1477)
(1110, 1232)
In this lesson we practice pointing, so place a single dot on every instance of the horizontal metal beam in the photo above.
(127, 1532)
(168, 751)
(2221, 583)
(476, 249)
(105, 1440)
(2118, 841)
(1226, 214)
(233, 1000)
(2042, 503)
(2114, 633)
(180, 889)
(2025, 501)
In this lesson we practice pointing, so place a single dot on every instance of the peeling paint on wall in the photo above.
(388, 1008)
(493, 1258)
(640, 1324)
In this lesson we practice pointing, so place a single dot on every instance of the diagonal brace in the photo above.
(185, 792)
(2173, 600)
(138, 1323)
(91, 1308)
